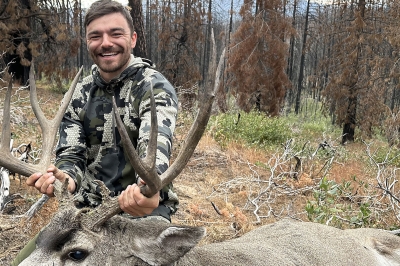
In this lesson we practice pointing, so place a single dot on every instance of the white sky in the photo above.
(87, 3)
(322, 1)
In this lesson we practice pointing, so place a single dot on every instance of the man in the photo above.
(89, 146)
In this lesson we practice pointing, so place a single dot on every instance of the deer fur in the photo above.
(124, 241)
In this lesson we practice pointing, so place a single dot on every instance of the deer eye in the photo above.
(77, 255)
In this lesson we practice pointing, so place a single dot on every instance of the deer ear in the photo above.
(170, 245)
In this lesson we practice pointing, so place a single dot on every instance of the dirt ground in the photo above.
(217, 190)
(204, 202)
(208, 167)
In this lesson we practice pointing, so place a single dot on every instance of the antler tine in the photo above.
(196, 131)
(6, 159)
(145, 167)
(150, 158)
(49, 130)
(49, 127)
(192, 139)
(6, 132)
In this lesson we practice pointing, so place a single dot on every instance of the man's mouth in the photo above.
(108, 54)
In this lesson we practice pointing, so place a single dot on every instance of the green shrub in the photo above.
(390, 156)
(332, 204)
(258, 129)
(253, 128)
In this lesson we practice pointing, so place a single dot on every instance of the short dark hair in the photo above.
(104, 7)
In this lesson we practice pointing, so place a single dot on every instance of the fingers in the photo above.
(60, 175)
(44, 182)
(32, 179)
(132, 201)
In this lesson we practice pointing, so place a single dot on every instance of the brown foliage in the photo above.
(179, 40)
(43, 30)
(258, 56)
(363, 71)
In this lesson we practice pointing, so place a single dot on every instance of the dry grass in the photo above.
(215, 189)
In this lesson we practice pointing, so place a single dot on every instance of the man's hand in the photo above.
(133, 202)
(44, 182)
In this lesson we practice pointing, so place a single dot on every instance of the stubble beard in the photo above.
(113, 66)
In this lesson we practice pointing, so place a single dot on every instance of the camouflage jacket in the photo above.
(89, 144)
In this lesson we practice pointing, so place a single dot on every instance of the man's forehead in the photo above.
(109, 21)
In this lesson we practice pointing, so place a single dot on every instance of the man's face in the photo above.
(109, 42)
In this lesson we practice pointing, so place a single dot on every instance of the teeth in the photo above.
(109, 54)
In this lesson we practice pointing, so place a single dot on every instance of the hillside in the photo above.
(231, 188)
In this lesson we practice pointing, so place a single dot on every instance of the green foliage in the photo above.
(257, 129)
(390, 156)
(253, 128)
(61, 88)
(333, 204)
(314, 126)
(57, 84)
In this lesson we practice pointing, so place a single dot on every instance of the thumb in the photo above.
(140, 182)
(60, 175)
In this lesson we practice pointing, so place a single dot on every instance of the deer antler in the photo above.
(49, 131)
(146, 167)
(110, 206)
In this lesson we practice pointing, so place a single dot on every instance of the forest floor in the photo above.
(219, 189)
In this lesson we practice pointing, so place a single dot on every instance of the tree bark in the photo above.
(140, 49)
(350, 120)
(303, 52)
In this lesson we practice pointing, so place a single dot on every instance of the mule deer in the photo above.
(99, 237)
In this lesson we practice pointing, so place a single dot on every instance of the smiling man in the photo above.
(89, 146)
(110, 39)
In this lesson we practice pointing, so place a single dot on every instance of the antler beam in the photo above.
(49, 131)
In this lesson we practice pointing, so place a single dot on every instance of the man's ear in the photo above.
(133, 39)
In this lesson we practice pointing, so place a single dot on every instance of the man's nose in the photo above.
(107, 42)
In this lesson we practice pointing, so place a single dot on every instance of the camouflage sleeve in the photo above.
(167, 108)
(71, 150)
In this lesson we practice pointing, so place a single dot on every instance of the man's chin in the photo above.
(106, 68)
(110, 67)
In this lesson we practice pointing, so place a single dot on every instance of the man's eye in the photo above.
(77, 255)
